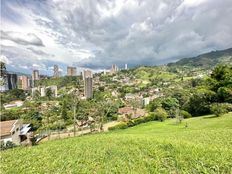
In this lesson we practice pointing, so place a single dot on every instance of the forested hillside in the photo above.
(207, 60)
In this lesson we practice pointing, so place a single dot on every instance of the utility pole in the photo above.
(75, 100)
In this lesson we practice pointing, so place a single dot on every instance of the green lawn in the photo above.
(205, 146)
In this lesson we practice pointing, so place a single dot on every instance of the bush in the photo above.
(119, 126)
(139, 120)
(134, 122)
(114, 117)
(7, 145)
(219, 109)
(150, 117)
(185, 114)
(131, 123)
(160, 114)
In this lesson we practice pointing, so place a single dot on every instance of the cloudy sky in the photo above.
(35, 34)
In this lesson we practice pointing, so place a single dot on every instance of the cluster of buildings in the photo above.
(12, 81)
(114, 69)
(42, 90)
(7, 80)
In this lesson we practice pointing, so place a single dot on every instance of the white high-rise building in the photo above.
(125, 66)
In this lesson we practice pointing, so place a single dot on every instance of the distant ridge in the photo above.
(207, 59)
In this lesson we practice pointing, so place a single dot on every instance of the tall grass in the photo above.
(205, 146)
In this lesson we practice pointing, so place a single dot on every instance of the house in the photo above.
(130, 96)
(146, 101)
(130, 112)
(13, 104)
(15, 131)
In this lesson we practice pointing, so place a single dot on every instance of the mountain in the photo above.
(206, 60)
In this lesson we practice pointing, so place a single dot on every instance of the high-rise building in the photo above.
(87, 73)
(56, 71)
(114, 69)
(3, 77)
(71, 71)
(35, 76)
(88, 87)
(24, 82)
(125, 66)
(12, 81)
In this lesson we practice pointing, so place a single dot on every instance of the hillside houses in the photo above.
(130, 113)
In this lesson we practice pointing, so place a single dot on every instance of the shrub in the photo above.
(7, 145)
(185, 114)
(130, 123)
(160, 114)
(219, 109)
(150, 117)
(121, 125)
(114, 117)
(139, 120)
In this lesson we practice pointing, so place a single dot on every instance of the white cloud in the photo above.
(99, 33)
(4, 59)
(21, 38)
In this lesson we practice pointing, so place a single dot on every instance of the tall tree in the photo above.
(64, 113)
(49, 93)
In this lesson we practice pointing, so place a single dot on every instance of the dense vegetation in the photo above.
(200, 95)
(206, 60)
(204, 146)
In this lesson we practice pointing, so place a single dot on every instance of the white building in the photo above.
(125, 66)
(146, 101)
(42, 91)
(13, 104)
(14, 131)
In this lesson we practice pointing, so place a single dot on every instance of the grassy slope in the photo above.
(204, 147)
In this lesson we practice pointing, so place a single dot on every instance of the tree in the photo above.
(49, 93)
(153, 105)
(36, 95)
(170, 104)
(199, 103)
(182, 96)
(64, 113)
(219, 109)
(221, 77)
(224, 94)
(185, 114)
(160, 114)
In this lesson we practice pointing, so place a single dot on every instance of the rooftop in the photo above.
(6, 127)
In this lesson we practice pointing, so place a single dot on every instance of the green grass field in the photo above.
(205, 146)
